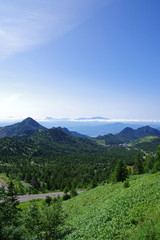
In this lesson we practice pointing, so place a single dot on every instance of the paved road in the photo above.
(25, 198)
(2, 183)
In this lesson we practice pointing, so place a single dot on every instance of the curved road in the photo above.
(2, 183)
(25, 198)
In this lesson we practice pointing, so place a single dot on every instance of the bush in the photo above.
(66, 197)
(48, 200)
(73, 193)
(43, 223)
(126, 184)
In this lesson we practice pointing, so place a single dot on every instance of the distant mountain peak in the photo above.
(30, 121)
(127, 130)
(149, 130)
(14, 129)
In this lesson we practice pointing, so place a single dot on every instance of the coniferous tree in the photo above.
(10, 227)
(73, 192)
(66, 190)
(156, 166)
(138, 166)
(149, 163)
(121, 172)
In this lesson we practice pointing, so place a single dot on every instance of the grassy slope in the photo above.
(114, 212)
(147, 139)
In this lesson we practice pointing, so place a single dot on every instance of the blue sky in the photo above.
(80, 58)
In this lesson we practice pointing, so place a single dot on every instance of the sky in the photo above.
(80, 58)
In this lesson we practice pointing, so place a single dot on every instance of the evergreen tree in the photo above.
(48, 200)
(138, 166)
(10, 227)
(156, 166)
(12, 193)
(73, 192)
(121, 172)
(158, 154)
(66, 190)
(149, 163)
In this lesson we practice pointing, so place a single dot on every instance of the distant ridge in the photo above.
(92, 118)
(139, 132)
(73, 133)
(128, 134)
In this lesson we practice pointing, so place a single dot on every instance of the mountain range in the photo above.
(27, 127)
(29, 134)
(31, 137)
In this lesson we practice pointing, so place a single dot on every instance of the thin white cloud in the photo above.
(25, 24)
(117, 120)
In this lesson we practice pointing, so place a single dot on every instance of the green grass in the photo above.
(26, 205)
(100, 142)
(147, 139)
(4, 177)
(114, 212)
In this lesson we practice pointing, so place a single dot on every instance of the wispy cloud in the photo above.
(25, 24)
(116, 120)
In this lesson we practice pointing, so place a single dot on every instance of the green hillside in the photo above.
(108, 212)
(57, 141)
(148, 144)
(12, 147)
(115, 212)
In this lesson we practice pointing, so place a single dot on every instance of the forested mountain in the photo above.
(13, 147)
(25, 125)
(46, 143)
(33, 140)
(56, 140)
(128, 134)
